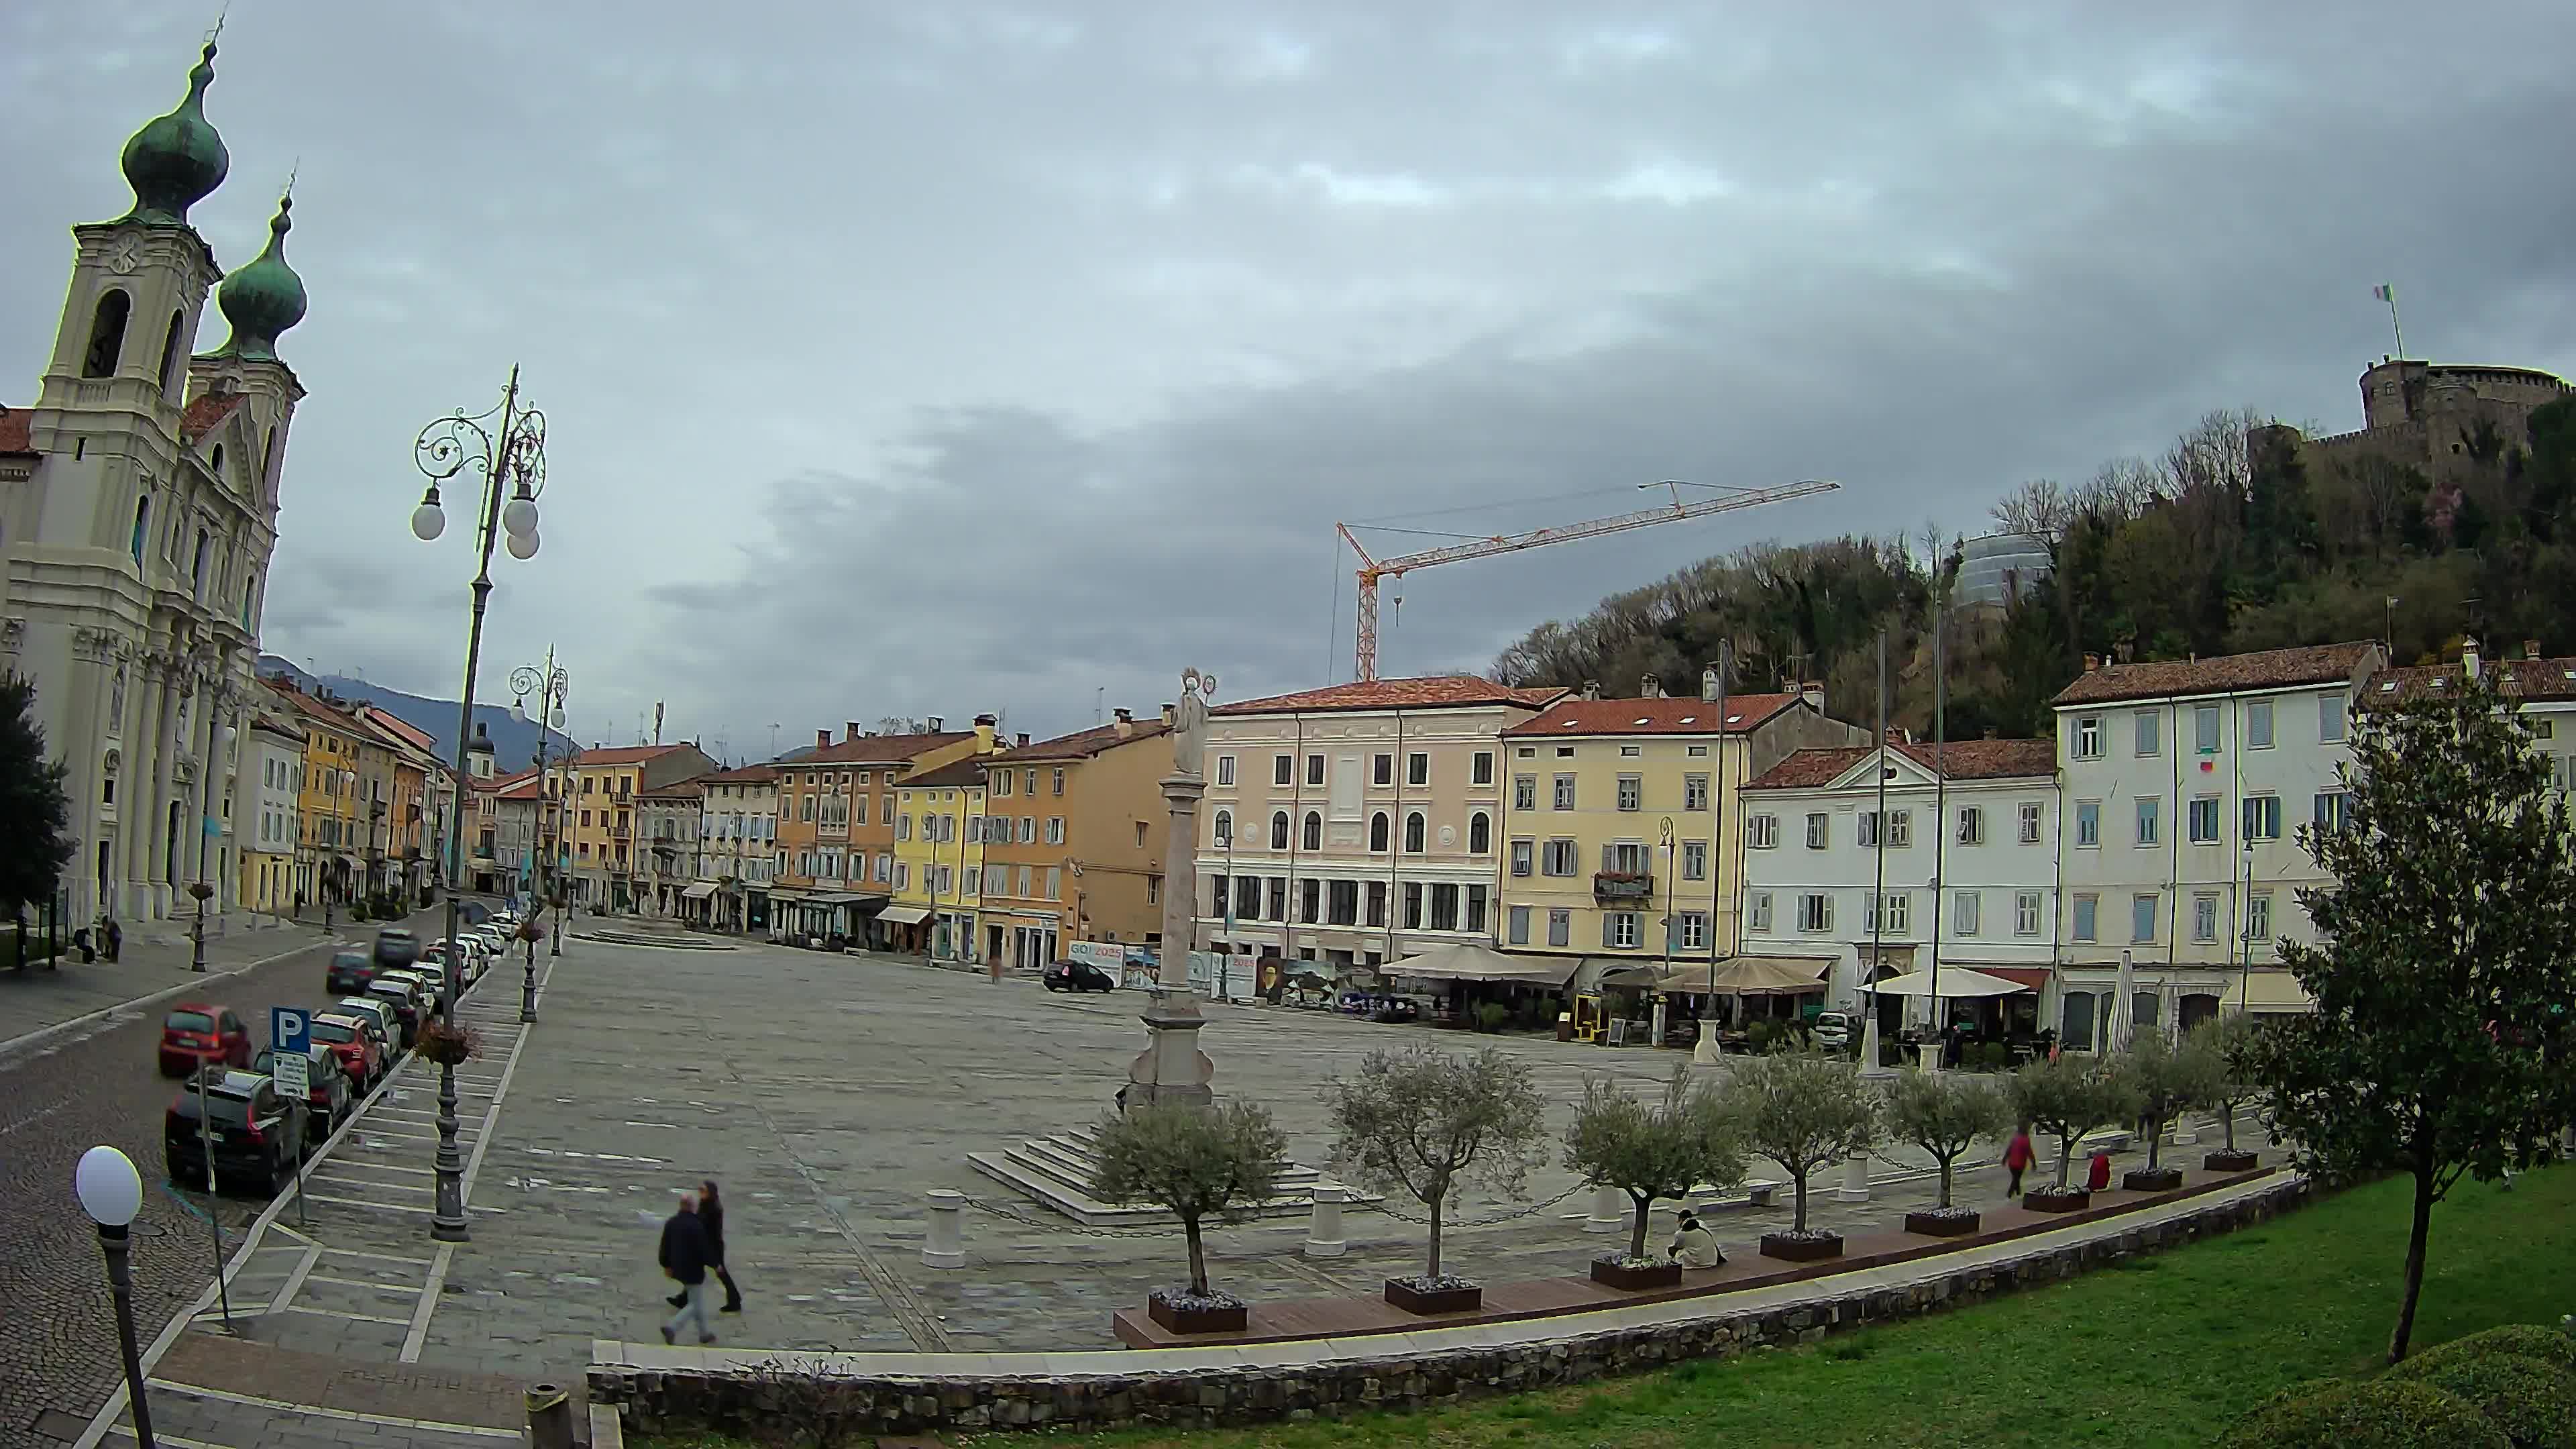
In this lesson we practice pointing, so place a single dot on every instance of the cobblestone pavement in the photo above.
(65, 1091)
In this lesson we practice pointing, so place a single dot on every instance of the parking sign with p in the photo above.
(290, 1034)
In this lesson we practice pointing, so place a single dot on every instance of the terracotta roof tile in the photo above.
(747, 775)
(1666, 716)
(1440, 691)
(1081, 744)
(208, 410)
(622, 755)
(2536, 679)
(878, 749)
(1959, 760)
(689, 789)
(965, 772)
(16, 431)
(2270, 669)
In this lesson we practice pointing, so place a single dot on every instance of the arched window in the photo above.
(1480, 833)
(197, 568)
(250, 596)
(218, 463)
(1413, 832)
(1279, 830)
(107, 334)
(1377, 833)
(268, 458)
(142, 521)
(1225, 827)
(170, 353)
(1314, 833)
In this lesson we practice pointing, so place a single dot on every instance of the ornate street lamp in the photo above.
(111, 1192)
(510, 456)
(550, 685)
(197, 927)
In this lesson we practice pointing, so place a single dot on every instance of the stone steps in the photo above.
(1058, 1172)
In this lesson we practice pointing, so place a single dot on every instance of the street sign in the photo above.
(288, 1070)
(290, 1030)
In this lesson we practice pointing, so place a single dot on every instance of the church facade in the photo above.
(138, 514)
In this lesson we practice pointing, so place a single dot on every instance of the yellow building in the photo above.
(835, 846)
(1073, 842)
(1618, 815)
(331, 808)
(938, 860)
(596, 791)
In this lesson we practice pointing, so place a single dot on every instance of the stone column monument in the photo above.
(1172, 1068)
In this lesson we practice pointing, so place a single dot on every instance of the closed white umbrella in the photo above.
(2123, 1015)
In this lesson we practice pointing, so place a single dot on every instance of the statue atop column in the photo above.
(1189, 724)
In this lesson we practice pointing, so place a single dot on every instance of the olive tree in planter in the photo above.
(2068, 1098)
(2167, 1081)
(1945, 1114)
(1651, 1152)
(1806, 1113)
(1195, 1163)
(1424, 1121)
(2231, 1040)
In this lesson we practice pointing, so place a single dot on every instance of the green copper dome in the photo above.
(264, 297)
(177, 160)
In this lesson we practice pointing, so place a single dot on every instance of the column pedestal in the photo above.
(1855, 1186)
(1172, 1069)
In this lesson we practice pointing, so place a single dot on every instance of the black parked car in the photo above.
(350, 972)
(246, 1120)
(329, 1092)
(396, 948)
(1078, 976)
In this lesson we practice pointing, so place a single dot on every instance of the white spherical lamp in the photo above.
(428, 521)
(109, 1188)
(523, 545)
(519, 516)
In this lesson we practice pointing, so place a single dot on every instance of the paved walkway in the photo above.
(39, 1004)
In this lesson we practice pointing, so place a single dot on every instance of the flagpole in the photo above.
(2387, 292)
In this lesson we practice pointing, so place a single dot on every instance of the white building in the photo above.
(269, 824)
(1961, 869)
(2544, 690)
(738, 854)
(2185, 782)
(138, 510)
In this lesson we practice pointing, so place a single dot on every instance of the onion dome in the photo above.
(177, 160)
(263, 297)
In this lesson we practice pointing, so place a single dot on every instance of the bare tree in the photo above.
(1422, 1119)
(2040, 508)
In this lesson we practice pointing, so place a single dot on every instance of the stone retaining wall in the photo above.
(798, 1389)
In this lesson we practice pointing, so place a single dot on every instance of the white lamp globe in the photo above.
(523, 545)
(519, 516)
(558, 718)
(109, 1188)
(428, 522)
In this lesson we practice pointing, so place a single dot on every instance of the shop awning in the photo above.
(699, 892)
(1734, 976)
(904, 915)
(1468, 961)
(1956, 981)
(2269, 991)
(2031, 978)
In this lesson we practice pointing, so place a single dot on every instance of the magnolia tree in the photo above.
(2445, 977)
(1424, 1121)
(1945, 1114)
(1195, 1163)
(2167, 1081)
(2230, 1041)
(1804, 1112)
(2069, 1097)
(1654, 1151)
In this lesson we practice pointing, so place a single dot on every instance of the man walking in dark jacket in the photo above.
(684, 1259)
(711, 1218)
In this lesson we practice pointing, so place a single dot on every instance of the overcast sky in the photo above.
(945, 357)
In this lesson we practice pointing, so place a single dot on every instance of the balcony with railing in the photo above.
(1624, 887)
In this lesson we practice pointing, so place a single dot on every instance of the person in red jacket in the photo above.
(2018, 1156)
(2100, 1176)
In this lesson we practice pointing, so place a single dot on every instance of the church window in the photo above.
(268, 456)
(142, 521)
(107, 334)
(197, 568)
(170, 353)
(218, 468)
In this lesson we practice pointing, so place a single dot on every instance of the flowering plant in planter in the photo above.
(448, 1044)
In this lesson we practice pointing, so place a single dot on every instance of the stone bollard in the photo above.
(1855, 1186)
(946, 1247)
(2182, 1134)
(549, 1416)
(1324, 1231)
(1609, 1211)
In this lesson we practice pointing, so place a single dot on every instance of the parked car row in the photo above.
(231, 1108)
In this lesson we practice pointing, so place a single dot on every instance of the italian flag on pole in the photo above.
(2385, 291)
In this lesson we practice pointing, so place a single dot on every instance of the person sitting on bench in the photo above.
(1694, 1246)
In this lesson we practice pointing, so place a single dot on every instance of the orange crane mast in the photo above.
(1372, 569)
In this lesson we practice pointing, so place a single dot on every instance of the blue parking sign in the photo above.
(290, 1030)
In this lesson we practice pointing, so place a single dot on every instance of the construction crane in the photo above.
(1373, 569)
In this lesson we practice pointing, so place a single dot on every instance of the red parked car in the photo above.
(198, 1034)
(361, 1057)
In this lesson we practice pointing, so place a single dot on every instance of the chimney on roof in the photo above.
(1813, 694)
(1021, 739)
(985, 727)
(849, 730)
(2469, 656)
(1990, 732)
(1126, 723)
(1708, 684)
(822, 738)
(2092, 663)
(2530, 648)
(934, 724)
(1592, 689)
(1650, 688)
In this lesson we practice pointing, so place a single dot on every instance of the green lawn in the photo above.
(2164, 1350)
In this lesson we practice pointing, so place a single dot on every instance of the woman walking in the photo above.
(2018, 1156)
(711, 1218)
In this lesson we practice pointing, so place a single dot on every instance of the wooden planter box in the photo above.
(1196, 1318)
(2057, 1199)
(2226, 1161)
(2151, 1179)
(1801, 1250)
(1437, 1300)
(1609, 1272)
(1938, 1225)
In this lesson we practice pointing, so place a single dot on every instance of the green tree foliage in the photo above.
(35, 816)
(2167, 1080)
(2230, 1041)
(1423, 1120)
(1194, 1163)
(1945, 1114)
(2445, 979)
(1653, 1151)
(1804, 1112)
(2068, 1097)
(2373, 1414)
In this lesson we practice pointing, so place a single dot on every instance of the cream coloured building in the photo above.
(138, 511)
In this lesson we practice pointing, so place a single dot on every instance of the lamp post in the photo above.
(1672, 922)
(550, 685)
(512, 461)
(111, 1192)
(197, 927)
